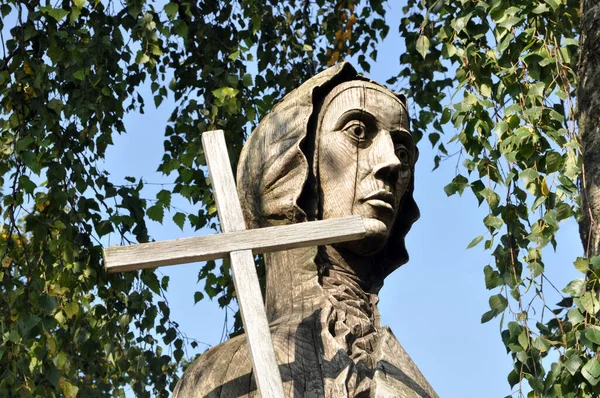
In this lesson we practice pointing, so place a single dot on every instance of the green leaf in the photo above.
(57, 13)
(446, 115)
(475, 241)
(173, 84)
(124, 319)
(79, 74)
(198, 296)
(423, 45)
(104, 228)
(53, 376)
(553, 3)
(575, 316)
(534, 113)
(591, 371)
(537, 89)
(156, 213)
(536, 268)
(460, 23)
(513, 378)
(553, 162)
(151, 280)
(509, 22)
(575, 288)
(178, 354)
(234, 55)
(27, 322)
(225, 92)
(595, 264)
(47, 304)
(492, 278)
(573, 363)
(60, 318)
(164, 282)
(70, 390)
(79, 3)
(528, 175)
(4, 10)
(179, 219)
(571, 42)
(498, 303)
(488, 316)
(582, 265)
(170, 336)
(448, 50)
(27, 185)
(247, 80)
(493, 221)
(593, 334)
(171, 10)
(542, 344)
(4, 77)
(141, 57)
(71, 309)
(164, 197)
(590, 302)
(524, 339)
(485, 90)
(491, 197)
(307, 48)
(458, 184)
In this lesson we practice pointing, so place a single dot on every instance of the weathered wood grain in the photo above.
(336, 146)
(245, 279)
(211, 247)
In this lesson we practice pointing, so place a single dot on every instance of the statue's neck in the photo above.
(299, 281)
(344, 277)
(326, 291)
(343, 265)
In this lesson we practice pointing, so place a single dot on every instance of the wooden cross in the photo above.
(240, 245)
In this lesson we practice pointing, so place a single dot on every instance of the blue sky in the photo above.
(433, 303)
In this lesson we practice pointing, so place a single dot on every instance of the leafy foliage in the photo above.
(513, 105)
(70, 71)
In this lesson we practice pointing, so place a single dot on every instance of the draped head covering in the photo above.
(276, 180)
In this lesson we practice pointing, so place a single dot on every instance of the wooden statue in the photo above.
(338, 145)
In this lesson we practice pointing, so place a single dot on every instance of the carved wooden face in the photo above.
(365, 155)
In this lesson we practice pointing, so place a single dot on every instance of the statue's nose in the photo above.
(386, 164)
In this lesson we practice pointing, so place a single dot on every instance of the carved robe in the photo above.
(328, 342)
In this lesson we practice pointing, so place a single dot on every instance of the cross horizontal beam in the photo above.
(211, 247)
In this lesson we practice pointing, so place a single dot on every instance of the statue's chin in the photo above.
(377, 235)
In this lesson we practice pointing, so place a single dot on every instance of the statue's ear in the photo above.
(402, 99)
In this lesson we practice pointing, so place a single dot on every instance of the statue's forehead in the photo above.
(366, 96)
(363, 90)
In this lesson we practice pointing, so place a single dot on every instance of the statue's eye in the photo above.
(402, 154)
(356, 129)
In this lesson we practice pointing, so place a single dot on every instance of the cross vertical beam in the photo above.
(250, 301)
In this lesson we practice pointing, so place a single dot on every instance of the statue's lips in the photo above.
(381, 198)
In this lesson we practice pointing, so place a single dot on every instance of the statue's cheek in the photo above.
(337, 175)
(402, 183)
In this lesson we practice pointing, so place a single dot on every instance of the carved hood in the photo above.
(276, 180)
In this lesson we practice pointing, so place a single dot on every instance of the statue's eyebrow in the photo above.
(404, 137)
(355, 114)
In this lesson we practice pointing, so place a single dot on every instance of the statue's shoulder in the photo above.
(223, 371)
(396, 371)
(226, 370)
